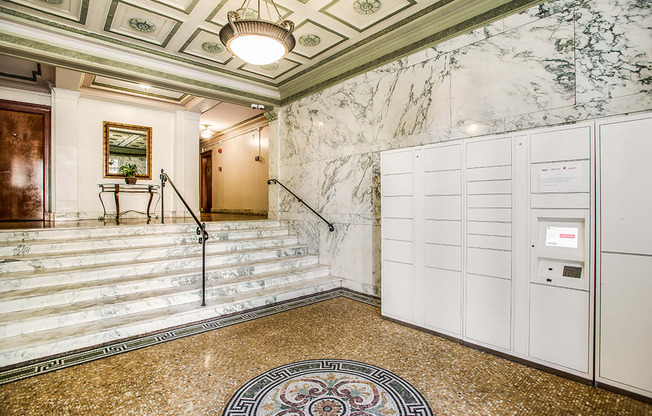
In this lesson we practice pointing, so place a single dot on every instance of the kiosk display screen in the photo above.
(562, 237)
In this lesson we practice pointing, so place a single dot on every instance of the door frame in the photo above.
(46, 111)
(208, 154)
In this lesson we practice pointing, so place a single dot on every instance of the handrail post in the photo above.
(204, 236)
(163, 180)
(201, 232)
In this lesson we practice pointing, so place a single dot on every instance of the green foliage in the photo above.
(129, 169)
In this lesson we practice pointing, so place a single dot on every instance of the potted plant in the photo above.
(130, 171)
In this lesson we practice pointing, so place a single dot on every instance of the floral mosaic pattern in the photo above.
(142, 25)
(309, 40)
(327, 388)
(270, 67)
(212, 47)
(366, 6)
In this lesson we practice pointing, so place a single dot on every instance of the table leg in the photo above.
(103, 207)
(117, 202)
(149, 204)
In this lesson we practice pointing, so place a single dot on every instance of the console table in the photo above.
(120, 188)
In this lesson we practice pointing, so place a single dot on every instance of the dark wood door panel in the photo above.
(21, 165)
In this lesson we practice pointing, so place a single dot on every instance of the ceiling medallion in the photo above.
(366, 6)
(309, 40)
(212, 47)
(255, 40)
(270, 67)
(142, 25)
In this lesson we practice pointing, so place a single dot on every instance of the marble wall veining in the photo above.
(559, 62)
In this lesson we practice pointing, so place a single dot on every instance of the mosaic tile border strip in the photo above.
(95, 353)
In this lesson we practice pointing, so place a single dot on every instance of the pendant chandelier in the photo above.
(254, 40)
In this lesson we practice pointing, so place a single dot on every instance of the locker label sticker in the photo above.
(560, 177)
(561, 237)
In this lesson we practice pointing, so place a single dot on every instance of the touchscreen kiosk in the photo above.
(560, 249)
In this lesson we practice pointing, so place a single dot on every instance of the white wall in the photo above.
(78, 158)
(242, 184)
(91, 114)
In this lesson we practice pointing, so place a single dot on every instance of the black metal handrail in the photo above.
(276, 181)
(201, 231)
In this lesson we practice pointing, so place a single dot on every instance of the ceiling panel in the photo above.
(177, 43)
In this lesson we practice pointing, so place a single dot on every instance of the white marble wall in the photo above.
(559, 62)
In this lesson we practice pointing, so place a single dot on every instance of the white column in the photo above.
(64, 154)
(274, 167)
(185, 170)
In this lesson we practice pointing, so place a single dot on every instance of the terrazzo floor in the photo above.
(197, 375)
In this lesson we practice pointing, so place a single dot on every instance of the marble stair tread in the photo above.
(40, 344)
(41, 248)
(16, 267)
(212, 273)
(210, 244)
(80, 277)
(123, 303)
(60, 233)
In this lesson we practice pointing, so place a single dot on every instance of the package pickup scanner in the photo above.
(559, 248)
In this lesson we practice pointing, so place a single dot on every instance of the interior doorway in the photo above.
(24, 161)
(207, 181)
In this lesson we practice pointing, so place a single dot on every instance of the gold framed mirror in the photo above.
(126, 144)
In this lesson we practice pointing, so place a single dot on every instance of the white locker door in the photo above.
(397, 203)
(626, 320)
(559, 322)
(625, 305)
(442, 225)
(488, 317)
(488, 310)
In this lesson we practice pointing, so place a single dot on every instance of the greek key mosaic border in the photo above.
(66, 360)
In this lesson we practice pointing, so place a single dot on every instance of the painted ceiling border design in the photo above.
(244, 65)
(143, 71)
(343, 38)
(31, 79)
(187, 10)
(127, 45)
(469, 24)
(137, 92)
(82, 13)
(324, 10)
(192, 37)
(111, 15)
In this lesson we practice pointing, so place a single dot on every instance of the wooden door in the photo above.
(207, 181)
(23, 161)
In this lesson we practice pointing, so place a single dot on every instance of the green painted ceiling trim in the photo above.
(111, 15)
(82, 13)
(334, 45)
(187, 10)
(149, 94)
(16, 76)
(99, 65)
(368, 39)
(467, 25)
(324, 10)
(127, 45)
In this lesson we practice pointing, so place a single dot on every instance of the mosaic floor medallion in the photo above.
(327, 388)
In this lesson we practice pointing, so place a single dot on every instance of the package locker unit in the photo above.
(492, 241)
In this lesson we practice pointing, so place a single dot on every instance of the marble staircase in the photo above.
(68, 289)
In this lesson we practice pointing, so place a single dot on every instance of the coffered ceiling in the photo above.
(174, 44)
